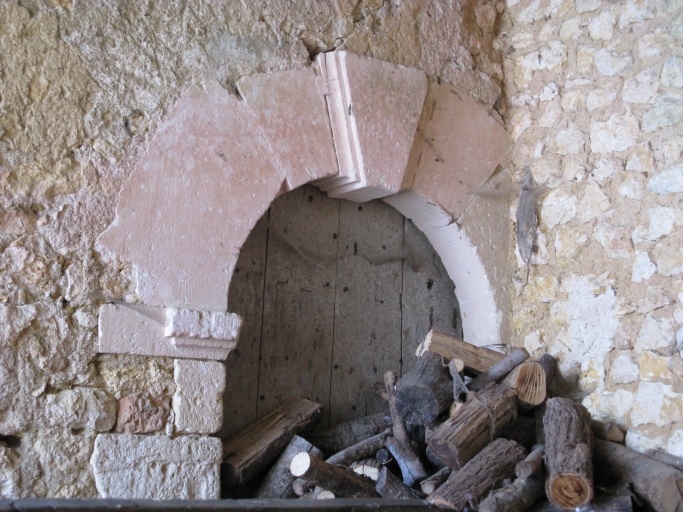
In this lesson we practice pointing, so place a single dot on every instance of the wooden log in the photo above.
(301, 486)
(516, 497)
(390, 486)
(528, 381)
(523, 430)
(432, 483)
(666, 458)
(399, 445)
(655, 482)
(425, 391)
(384, 456)
(533, 464)
(361, 450)
(254, 448)
(476, 359)
(340, 437)
(476, 424)
(434, 460)
(607, 431)
(499, 370)
(325, 495)
(368, 468)
(549, 366)
(568, 453)
(484, 472)
(278, 481)
(342, 482)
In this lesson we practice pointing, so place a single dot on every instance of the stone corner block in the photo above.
(197, 402)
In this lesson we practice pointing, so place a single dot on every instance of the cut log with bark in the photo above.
(655, 482)
(342, 482)
(425, 391)
(499, 370)
(390, 486)
(432, 483)
(523, 430)
(325, 495)
(528, 381)
(485, 472)
(568, 453)
(362, 450)
(384, 456)
(278, 481)
(549, 365)
(607, 431)
(399, 445)
(368, 468)
(340, 437)
(533, 464)
(666, 458)
(434, 460)
(256, 447)
(480, 421)
(301, 486)
(476, 359)
(516, 497)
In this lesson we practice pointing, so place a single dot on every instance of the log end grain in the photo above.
(529, 382)
(300, 464)
(569, 490)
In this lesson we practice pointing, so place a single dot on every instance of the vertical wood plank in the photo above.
(429, 300)
(298, 317)
(367, 334)
(245, 297)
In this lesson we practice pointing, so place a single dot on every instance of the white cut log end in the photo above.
(300, 464)
(326, 495)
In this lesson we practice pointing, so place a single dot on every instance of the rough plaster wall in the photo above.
(594, 90)
(83, 86)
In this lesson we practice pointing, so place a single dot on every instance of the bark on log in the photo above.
(347, 434)
(301, 486)
(655, 482)
(499, 370)
(278, 482)
(516, 497)
(399, 445)
(568, 453)
(342, 482)
(475, 425)
(368, 468)
(607, 431)
(432, 483)
(528, 381)
(390, 486)
(666, 458)
(484, 472)
(476, 359)
(549, 366)
(254, 448)
(434, 460)
(532, 464)
(523, 430)
(362, 450)
(425, 391)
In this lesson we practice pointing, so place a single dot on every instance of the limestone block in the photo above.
(569, 141)
(616, 134)
(657, 335)
(675, 445)
(125, 375)
(10, 475)
(612, 233)
(624, 370)
(655, 297)
(129, 466)
(198, 400)
(655, 367)
(593, 203)
(634, 11)
(610, 407)
(640, 158)
(666, 110)
(631, 189)
(600, 98)
(292, 111)
(641, 441)
(662, 221)
(88, 408)
(125, 331)
(669, 181)
(641, 88)
(611, 64)
(672, 72)
(601, 28)
(202, 324)
(668, 255)
(587, 5)
(604, 168)
(656, 403)
(142, 413)
(551, 58)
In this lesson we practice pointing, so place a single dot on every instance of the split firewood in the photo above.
(476, 359)
(523, 430)
(368, 468)
(486, 471)
(399, 445)
(516, 497)
(666, 458)
(528, 381)
(476, 424)
(336, 439)
(390, 486)
(657, 483)
(301, 486)
(549, 366)
(432, 483)
(568, 453)
(342, 482)
(384, 456)
(254, 448)
(425, 391)
(607, 431)
(455, 407)
(365, 448)
(278, 482)
(325, 495)
(434, 460)
(533, 464)
(499, 370)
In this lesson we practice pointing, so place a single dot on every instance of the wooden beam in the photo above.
(476, 359)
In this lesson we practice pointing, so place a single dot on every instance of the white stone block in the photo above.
(197, 402)
(129, 466)
(675, 445)
(643, 268)
(669, 181)
(623, 370)
(190, 323)
(656, 334)
(656, 404)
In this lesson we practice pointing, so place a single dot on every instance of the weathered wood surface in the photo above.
(368, 468)
(476, 359)
(666, 458)
(390, 486)
(475, 425)
(432, 483)
(568, 453)
(533, 464)
(499, 370)
(341, 436)
(361, 450)
(528, 381)
(484, 472)
(254, 448)
(342, 482)
(607, 431)
(516, 497)
(425, 391)
(523, 430)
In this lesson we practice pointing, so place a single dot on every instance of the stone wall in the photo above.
(595, 98)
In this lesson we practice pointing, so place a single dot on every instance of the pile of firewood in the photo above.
(468, 428)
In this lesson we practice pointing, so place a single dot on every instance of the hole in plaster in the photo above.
(10, 441)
